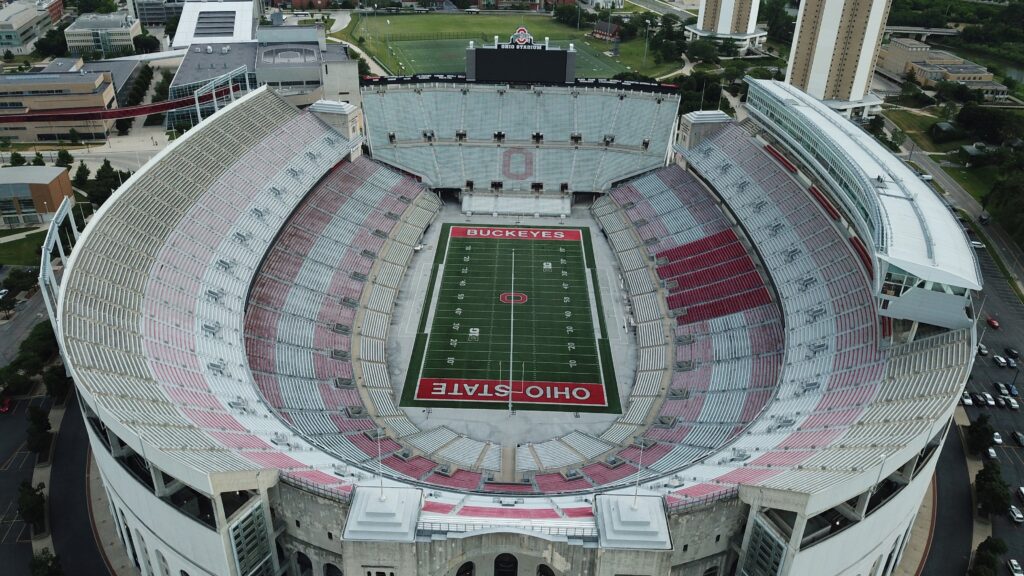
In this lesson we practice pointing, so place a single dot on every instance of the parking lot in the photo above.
(1002, 304)
(16, 464)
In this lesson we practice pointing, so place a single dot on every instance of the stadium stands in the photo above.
(585, 138)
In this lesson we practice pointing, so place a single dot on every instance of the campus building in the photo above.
(22, 22)
(105, 34)
(834, 49)
(31, 194)
(122, 72)
(734, 20)
(904, 56)
(296, 61)
(36, 92)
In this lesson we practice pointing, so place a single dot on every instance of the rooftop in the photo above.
(120, 70)
(102, 21)
(47, 78)
(923, 237)
(29, 174)
(215, 22)
(18, 13)
(206, 61)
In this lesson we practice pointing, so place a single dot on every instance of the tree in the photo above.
(7, 304)
(74, 136)
(8, 56)
(64, 159)
(46, 564)
(39, 436)
(876, 125)
(17, 159)
(57, 383)
(992, 493)
(146, 44)
(780, 23)
(898, 137)
(123, 125)
(986, 557)
(81, 178)
(948, 111)
(733, 70)
(32, 505)
(979, 434)
(703, 51)
(364, 66)
(52, 43)
(38, 160)
(171, 27)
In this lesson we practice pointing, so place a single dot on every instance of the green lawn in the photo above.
(13, 231)
(422, 43)
(476, 334)
(916, 126)
(977, 181)
(24, 252)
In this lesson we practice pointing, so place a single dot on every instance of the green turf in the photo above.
(436, 43)
(23, 252)
(473, 273)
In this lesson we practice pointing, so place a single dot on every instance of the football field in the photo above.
(515, 318)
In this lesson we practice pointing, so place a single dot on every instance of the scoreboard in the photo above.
(520, 61)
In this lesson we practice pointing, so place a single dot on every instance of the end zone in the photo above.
(497, 391)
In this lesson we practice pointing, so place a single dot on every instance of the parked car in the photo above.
(1013, 390)
(993, 323)
(1001, 401)
(976, 244)
(1016, 514)
(997, 438)
(991, 454)
(982, 350)
(4, 292)
(989, 400)
(999, 360)
(1012, 353)
(1012, 404)
(1011, 363)
(979, 400)
(966, 400)
(5, 405)
(1014, 567)
(1018, 437)
(1002, 389)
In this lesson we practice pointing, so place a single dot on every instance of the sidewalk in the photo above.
(915, 555)
(103, 526)
(20, 235)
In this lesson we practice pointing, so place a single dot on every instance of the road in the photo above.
(1008, 250)
(16, 465)
(71, 523)
(1002, 304)
(28, 314)
(659, 7)
(950, 551)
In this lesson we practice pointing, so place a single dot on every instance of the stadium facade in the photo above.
(791, 310)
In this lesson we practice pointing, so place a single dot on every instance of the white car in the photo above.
(976, 244)
(1017, 515)
(991, 454)
(966, 399)
(989, 400)
(997, 438)
(1013, 404)
(999, 360)
(1014, 567)
(4, 292)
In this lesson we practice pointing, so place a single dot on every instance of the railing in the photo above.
(689, 504)
(316, 489)
(428, 528)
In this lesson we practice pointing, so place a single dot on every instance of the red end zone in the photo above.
(515, 233)
(463, 390)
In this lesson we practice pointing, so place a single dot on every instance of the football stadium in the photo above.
(539, 327)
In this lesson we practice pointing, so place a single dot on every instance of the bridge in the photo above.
(920, 32)
(116, 113)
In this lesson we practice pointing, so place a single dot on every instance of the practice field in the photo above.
(529, 332)
(449, 57)
(436, 43)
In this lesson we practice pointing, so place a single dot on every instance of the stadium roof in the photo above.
(922, 235)
(215, 22)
